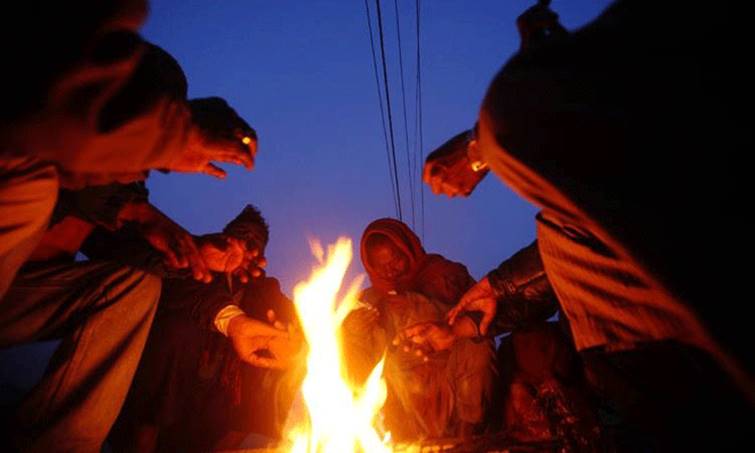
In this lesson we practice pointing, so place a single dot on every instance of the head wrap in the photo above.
(406, 241)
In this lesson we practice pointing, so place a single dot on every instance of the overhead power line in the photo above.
(382, 110)
(409, 169)
(418, 129)
(414, 152)
(388, 107)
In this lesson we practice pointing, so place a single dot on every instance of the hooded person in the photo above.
(541, 390)
(436, 395)
(427, 273)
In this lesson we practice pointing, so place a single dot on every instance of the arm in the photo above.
(134, 117)
(150, 123)
(256, 342)
(102, 205)
(519, 284)
(518, 272)
(522, 290)
(77, 213)
(116, 206)
(432, 337)
(364, 340)
(177, 245)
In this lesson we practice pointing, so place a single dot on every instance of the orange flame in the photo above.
(341, 418)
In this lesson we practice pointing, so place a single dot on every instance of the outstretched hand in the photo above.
(481, 297)
(252, 267)
(169, 238)
(264, 345)
(361, 318)
(426, 337)
(218, 134)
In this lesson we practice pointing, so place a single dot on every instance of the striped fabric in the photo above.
(607, 299)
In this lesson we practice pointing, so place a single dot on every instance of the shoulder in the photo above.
(439, 265)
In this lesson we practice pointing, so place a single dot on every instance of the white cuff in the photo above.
(224, 316)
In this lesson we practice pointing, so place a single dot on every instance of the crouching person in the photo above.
(544, 395)
(441, 394)
(101, 309)
(102, 312)
(213, 367)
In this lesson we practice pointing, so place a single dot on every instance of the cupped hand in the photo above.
(479, 298)
(174, 242)
(218, 134)
(425, 338)
(263, 345)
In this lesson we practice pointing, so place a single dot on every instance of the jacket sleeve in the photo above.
(145, 124)
(524, 293)
(132, 115)
(264, 293)
(202, 301)
(99, 205)
(129, 248)
(180, 292)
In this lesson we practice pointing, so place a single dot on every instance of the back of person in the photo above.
(598, 129)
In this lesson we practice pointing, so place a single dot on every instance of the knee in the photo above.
(143, 297)
(472, 398)
(46, 198)
(140, 288)
(28, 194)
(149, 285)
(476, 358)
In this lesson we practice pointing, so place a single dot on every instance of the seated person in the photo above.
(442, 394)
(200, 381)
(543, 388)
(101, 309)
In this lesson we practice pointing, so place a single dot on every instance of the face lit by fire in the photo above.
(455, 169)
(255, 243)
(388, 262)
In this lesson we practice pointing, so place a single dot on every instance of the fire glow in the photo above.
(341, 417)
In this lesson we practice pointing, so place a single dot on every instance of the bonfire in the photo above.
(340, 416)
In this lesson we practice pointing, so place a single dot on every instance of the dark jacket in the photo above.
(191, 384)
(599, 128)
(98, 205)
(525, 296)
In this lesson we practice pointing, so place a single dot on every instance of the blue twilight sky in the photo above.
(301, 73)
